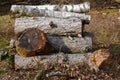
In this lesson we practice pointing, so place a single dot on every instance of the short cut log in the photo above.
(51, 26)
(32, 41)
(56, 14)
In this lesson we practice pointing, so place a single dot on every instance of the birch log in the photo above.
(46, 60)
(83, 7)
(51, 26)
(56, 14)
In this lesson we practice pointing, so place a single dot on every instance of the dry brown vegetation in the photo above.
(105, 26)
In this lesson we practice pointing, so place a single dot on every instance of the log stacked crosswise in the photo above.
(50, 25)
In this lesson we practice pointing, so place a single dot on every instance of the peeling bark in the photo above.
(83, 7)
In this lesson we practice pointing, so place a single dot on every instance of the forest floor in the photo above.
(105, 26)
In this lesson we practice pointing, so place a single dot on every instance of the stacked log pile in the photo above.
(49, 31)
(62, 29)
(58, 32)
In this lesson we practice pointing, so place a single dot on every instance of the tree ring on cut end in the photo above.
(31, 40)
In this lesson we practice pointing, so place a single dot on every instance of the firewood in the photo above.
(83, 7)
(32, 41)
(51, 26)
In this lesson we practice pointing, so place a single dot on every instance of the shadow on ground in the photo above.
(115, 49)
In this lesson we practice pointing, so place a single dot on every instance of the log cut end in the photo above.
(32, 41)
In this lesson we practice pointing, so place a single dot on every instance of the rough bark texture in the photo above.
(56, 14)
(45, 60)
(74, 45)
(52, 26)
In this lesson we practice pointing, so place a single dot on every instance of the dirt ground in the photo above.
(104, 25)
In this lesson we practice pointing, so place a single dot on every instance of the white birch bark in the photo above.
(83, 7)
(56, 14)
